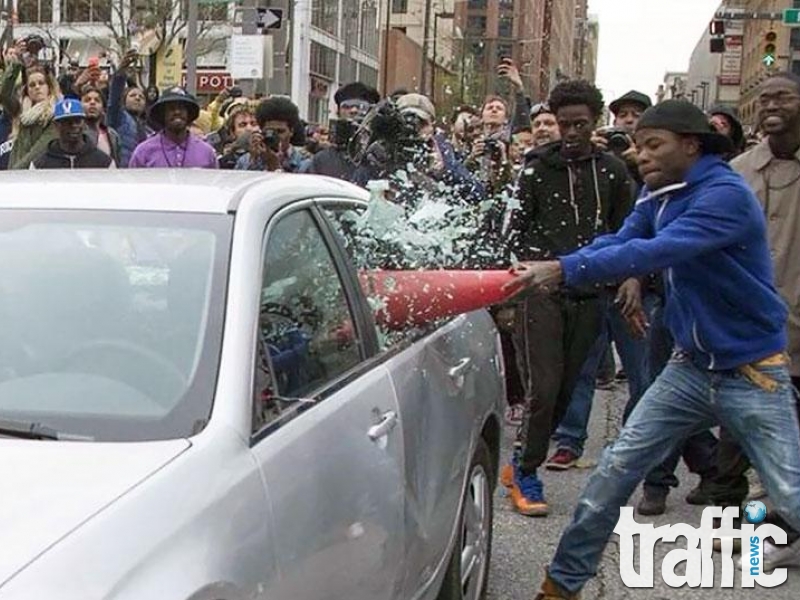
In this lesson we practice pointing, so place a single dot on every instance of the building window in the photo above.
(323, 61)
(318, 110)
(476, 26)
(399, 7)
(476, 4)
(505, 28)
(325, 16)
(35, 11)
(368, 30)
(85, 11)
(505, 50)
(368, 75)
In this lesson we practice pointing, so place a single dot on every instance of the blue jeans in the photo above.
(572, 430)
(684, 400)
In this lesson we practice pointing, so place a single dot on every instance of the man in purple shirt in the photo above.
(174, 146)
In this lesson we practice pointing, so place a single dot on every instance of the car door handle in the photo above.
(461, 368)
(382, 429)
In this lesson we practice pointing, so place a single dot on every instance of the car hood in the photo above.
(48, 489)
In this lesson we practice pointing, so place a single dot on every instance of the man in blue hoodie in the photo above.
(699, 222)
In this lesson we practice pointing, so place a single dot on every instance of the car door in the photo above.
(434, 374)
(325, 424)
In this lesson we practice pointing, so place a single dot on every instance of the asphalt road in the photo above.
(523, 546)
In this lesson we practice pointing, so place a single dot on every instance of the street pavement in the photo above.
(523, 546)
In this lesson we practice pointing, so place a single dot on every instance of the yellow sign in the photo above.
(169, 66)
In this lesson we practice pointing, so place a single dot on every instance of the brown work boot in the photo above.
(552, 591)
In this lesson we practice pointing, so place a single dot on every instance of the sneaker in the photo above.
(562, 460)
(527, 495)
(652, 504)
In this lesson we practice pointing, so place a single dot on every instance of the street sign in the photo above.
(791, 17)
(246, 58)
(768, 60)
(270, 18)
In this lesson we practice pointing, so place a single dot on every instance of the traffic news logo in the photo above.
(698, 552)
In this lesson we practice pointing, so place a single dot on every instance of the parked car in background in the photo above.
(196, 402)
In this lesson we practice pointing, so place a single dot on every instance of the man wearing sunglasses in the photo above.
(353, 102)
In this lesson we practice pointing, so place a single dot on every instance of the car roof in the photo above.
(172, 190)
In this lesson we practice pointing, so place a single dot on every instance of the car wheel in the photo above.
(468, 572)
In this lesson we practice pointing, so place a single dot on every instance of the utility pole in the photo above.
(191, 49)
(426, 25)
(386, 47)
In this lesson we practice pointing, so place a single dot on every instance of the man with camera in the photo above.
(271, 148)
(353, 102)
(404, 147)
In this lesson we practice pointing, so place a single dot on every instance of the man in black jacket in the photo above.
(353, 101)
(72, 149)
(569, 193)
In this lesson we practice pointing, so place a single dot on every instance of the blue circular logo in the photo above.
(755, 511)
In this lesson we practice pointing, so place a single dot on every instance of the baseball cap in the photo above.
(418, 105)
(68, 108)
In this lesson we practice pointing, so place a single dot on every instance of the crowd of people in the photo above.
(671, 235)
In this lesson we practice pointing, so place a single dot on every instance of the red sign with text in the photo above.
(212, 81)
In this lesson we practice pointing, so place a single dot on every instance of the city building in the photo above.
(591, 49)
(335, 42)
(674, 87)
(540, 35)
(408, 42)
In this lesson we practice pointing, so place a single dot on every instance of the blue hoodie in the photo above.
(709, 236)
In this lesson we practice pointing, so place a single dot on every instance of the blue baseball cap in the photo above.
(68, 108)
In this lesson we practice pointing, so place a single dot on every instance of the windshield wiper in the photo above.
(34, 431)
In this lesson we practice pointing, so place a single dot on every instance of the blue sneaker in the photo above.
(527, 495)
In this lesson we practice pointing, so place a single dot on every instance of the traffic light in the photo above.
(717, 45)
(770, 49)
(717, 27)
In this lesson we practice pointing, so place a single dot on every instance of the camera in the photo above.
(491, 147)
(618, 139)
(271, 139)
(342, 131)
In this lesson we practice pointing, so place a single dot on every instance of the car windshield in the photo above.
(110, 321)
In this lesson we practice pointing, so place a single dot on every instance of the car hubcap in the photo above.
(475, 534)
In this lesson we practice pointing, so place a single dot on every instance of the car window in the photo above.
(367, 254)
(306, 335)
(112, 321)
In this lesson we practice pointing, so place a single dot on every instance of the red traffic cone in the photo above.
(411, 298)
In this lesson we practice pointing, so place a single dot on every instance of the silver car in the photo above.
(196, 402)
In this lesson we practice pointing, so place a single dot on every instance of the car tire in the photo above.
(473, 548)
